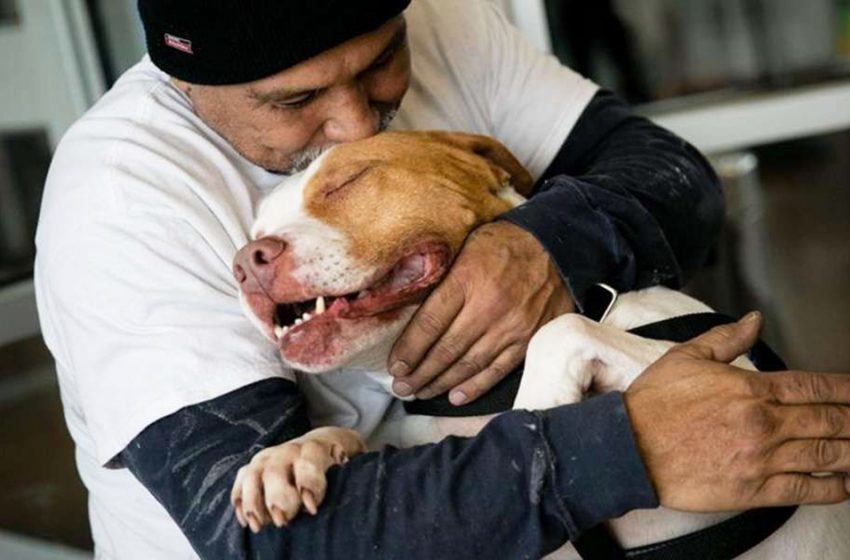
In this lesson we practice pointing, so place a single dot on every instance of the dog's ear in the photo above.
(493, 151)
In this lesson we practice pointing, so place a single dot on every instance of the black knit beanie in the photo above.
(217, 42)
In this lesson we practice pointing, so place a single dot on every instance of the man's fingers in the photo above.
(483, 353)
(814, 421)
(798, 387)
(427, 326)
(484, 381)
(453, 345)
(803, 489)
(726, 342)
(811, 456)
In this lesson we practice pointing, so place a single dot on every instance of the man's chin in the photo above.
(293, 164)
(301, 161)
(293, 167)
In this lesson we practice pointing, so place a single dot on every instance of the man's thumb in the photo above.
(727, 342)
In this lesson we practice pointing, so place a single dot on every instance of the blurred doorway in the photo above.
(50, 77)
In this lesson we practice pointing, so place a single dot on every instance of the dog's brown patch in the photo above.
(410, 186)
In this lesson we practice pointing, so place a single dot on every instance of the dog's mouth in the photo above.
(294, 314)
(405, 283)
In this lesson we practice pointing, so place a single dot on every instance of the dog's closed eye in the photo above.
(332, 188)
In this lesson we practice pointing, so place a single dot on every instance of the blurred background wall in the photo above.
(654, 49)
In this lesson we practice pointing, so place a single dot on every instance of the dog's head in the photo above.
(344, 252)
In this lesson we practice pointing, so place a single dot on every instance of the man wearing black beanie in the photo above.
(168, 389)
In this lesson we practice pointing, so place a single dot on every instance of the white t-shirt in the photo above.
(145, 207)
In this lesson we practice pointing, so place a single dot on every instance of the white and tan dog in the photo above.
(343, 254)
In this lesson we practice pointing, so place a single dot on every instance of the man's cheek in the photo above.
(390, 85)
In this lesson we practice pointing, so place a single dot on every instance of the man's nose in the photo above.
(353, 116)
(257, 257)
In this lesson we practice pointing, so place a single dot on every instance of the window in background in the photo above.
(118, 35)
(24, 159)
(656, 49)
(8, 12)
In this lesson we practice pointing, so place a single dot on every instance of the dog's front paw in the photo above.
(280, 480)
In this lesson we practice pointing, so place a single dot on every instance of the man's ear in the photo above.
(495, 152)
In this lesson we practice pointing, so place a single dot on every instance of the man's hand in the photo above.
(475, 327)
(717, 438)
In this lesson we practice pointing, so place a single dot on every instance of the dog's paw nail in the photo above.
(309, 502)
(253, 523)
(278, 516)
(338, 454)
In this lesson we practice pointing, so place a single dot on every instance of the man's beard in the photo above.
(299, 161)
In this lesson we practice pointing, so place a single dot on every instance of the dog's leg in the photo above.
(573, 354)
(280, 480)
(411, 430)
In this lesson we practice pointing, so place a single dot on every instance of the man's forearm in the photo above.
(624, 202)
(521, 488)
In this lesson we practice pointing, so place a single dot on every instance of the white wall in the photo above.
(50, 76)
(46, 65)
(124, 33)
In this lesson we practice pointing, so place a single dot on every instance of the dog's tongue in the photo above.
(319, 340)
(416, 271)
(339, 305)
(405, 273)
(408, 282)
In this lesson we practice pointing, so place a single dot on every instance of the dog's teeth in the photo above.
(307, 317)
(362, 294)
(320, 305)
(279, 331)
(298, 322)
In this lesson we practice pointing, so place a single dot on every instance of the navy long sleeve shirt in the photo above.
(525, 485)
(624, 202)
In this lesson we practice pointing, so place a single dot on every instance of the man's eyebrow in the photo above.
(395, 43)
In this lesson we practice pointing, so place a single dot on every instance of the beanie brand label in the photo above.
(178, 43)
